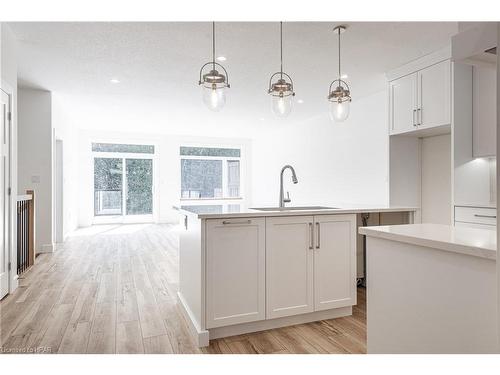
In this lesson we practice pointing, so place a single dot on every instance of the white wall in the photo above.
(336, 164)
(64, 129)
(35, 160)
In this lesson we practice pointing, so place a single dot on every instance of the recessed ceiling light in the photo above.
(300, 101)
(221, 58)
(114, 80)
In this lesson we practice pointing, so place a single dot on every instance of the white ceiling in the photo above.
(159, 62)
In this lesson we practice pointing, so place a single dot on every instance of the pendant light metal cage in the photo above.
(213, 79)
(283, 86)
(342, 92)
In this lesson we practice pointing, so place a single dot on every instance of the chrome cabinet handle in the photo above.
(414, 123)
(318, 235)
(488, 216)
(419, 116)
(311, 235)
(227, 222)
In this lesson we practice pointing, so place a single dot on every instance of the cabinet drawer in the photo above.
(476, 215)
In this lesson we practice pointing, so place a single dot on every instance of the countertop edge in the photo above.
(432, 243)
(297, 213)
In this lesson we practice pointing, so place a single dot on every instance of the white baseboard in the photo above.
(47, 248)
(201, 336)
(262, 325)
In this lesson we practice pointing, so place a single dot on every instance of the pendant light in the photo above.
(213, 82)
(340, 97)
(281, 90)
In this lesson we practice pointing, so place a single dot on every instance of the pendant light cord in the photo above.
(339, 51)
(281, 48)
(213, 44)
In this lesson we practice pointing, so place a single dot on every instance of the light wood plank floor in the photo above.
(112, 289)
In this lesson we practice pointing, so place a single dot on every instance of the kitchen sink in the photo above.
(301, 208)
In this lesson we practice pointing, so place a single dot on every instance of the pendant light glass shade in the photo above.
(214, 99)
(281, 87)
(281, 106)
(213, 82)
(339, 111)
(340, 96)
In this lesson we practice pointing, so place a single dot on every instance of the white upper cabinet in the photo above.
(403, 97)
(289, 265)
(235, 271)
(420, 96)
(334, 261)
(484, 112)
(434, 95)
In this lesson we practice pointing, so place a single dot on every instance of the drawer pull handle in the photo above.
(488, 216)
(227, 222)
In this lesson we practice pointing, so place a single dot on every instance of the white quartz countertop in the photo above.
(464, 240)
(249, 212)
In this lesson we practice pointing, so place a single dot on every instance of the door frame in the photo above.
(58, 190)
(12, 176)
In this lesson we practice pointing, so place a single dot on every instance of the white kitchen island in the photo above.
(431, 289)
(253, 270)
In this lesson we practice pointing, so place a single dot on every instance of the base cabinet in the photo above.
(310, 264)
(235, 271)
(289, 266)
(276, 267)
(334, 262)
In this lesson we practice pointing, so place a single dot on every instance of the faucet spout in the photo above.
(284, 200)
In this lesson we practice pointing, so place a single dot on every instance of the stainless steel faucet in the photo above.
(284, 200)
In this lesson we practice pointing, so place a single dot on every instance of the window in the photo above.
(123, 179)
(211, 174)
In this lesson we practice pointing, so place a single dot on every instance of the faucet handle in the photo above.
(287, 199)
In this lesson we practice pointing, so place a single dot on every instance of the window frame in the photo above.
(224, 160)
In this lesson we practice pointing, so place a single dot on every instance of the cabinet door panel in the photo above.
(335, 261)
(403, 102)
(289, 266)
(434, 93)
(235, 289)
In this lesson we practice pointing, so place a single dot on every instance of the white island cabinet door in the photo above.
(289, 266)
(403, 104)
(334, 261)
(434, 95)
(235, 265)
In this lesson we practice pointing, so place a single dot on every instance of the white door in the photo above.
(4, 187)
(236, 251)
(289, 266)
(403, 103)
(334, 261)
(434, 92)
